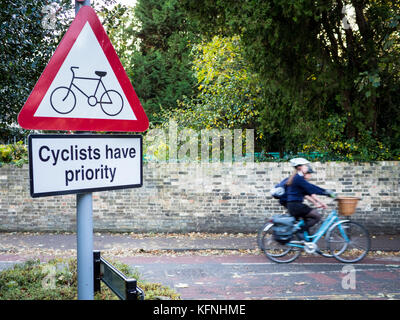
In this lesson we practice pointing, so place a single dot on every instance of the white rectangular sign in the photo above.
(79, 163)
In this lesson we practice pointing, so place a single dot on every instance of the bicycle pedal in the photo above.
(298, 242)
(310, 247)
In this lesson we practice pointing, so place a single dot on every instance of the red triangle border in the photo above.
(26, 117)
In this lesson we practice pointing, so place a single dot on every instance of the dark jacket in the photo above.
(300, 187)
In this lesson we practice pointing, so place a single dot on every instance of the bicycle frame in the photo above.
(99, 81)
(329, 222)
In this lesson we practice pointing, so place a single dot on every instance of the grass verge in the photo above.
(57, 280)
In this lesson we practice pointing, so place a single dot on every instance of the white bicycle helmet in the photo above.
(298, 162)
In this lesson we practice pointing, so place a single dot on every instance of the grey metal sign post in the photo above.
(84, 221)
(85, 37)
(85, 163)
(84, 232)
(80, 3)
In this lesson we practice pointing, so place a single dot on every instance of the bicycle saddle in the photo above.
(100, 73)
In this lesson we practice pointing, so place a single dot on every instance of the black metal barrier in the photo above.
(125, 288)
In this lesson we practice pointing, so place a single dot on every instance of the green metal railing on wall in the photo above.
(275, 156)
(256, 157)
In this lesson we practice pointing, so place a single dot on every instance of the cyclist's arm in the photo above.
(309, 198)
(309, 188)
(318, 203)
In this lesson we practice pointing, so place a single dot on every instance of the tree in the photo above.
(318, 66)
(158, 62)
(30, 32)
(229, 95)
(22, 54)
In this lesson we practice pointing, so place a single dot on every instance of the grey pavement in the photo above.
(221, 275)
(16, 241)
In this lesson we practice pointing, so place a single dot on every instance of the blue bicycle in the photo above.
(345, 240)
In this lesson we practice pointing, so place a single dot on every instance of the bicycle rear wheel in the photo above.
(63, 100)
(348, 241)
(260, 234)
(111, 102)
(281, 253)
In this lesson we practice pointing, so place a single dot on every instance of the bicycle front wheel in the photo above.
(273, 250)
(348, 241)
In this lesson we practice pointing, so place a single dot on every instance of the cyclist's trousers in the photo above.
(300, 210)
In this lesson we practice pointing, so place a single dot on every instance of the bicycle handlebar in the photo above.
(330, 201)
(73, 72)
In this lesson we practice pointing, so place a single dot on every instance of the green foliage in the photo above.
(16, 153)
(228, 90)
(335, 146)
(316, 76)
(57, 280)
(27, 281)
(153, 41)
(314, 65)
(229, 95)
(26, 47)
(25, 50)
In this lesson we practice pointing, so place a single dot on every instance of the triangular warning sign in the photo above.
(84, 87)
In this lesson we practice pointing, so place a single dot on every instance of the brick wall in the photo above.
(216, 197)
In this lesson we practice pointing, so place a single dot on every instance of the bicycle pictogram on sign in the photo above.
(63, 99)
(78, 91)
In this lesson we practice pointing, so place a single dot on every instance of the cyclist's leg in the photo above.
(299, 210)
(312, 218)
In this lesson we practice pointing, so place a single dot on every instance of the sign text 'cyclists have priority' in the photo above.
(84, 86)
(64, 164)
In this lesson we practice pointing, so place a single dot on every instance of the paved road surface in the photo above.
(243, 277)
(253, 277)
(216, 274)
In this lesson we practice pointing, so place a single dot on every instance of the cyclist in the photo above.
(280, 192)
(297, 189)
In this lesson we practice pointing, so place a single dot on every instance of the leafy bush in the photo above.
(333, 144)
(16, 153)
(57, 280)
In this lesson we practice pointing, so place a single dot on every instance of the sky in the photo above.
(127, 2)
